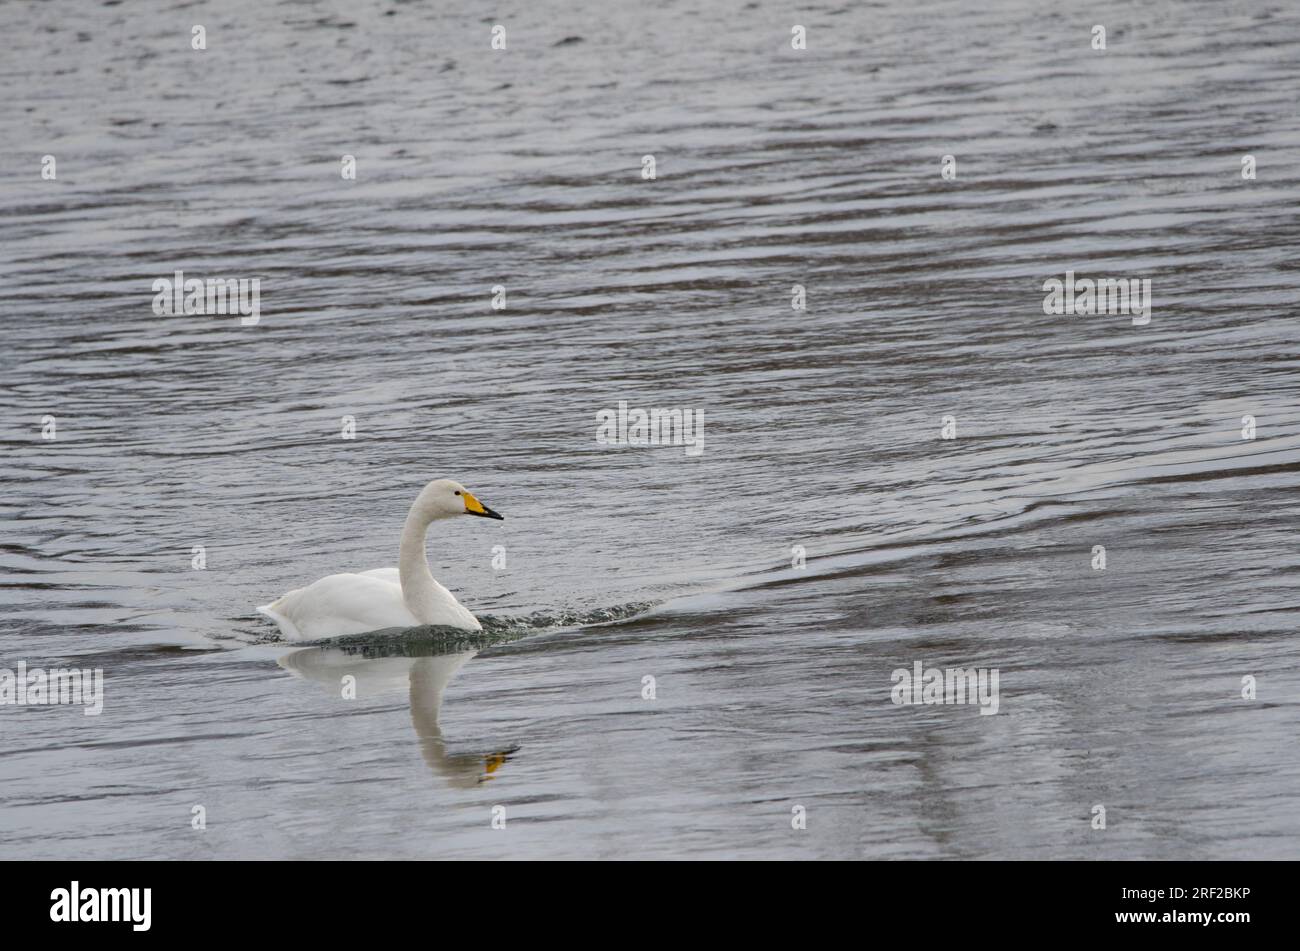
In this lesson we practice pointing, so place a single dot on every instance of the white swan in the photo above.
(405, 596)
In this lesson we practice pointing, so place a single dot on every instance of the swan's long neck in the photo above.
(419, 590)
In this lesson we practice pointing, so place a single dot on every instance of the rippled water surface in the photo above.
(523, 168)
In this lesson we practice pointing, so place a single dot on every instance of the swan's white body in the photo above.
(405, 596)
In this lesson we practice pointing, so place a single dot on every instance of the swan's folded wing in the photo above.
(342, 604)
(391, 575)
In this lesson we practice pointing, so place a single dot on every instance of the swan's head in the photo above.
(443, 498)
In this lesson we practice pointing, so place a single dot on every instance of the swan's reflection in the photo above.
(425, 678)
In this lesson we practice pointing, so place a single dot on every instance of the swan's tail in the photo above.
(287, 627)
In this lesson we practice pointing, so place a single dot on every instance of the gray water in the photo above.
(1120, 687)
